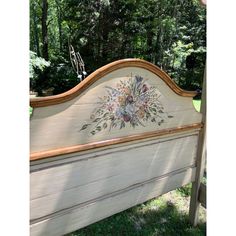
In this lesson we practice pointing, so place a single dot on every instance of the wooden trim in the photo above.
(202, 195)
(101, 72)
(83, 147)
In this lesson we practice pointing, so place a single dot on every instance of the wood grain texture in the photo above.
(55, 152)
(46, 163)
(60, 187)
(80, 216)
(77, 90)
(201, 156)
(59, 126)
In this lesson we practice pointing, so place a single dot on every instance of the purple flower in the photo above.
(129, 99)
(138, 78)
(126, 118)
(144, 88)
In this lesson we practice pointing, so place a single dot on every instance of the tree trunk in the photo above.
(36, 35)
(45, 30)
(59, 23)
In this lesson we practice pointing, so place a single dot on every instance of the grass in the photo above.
(166, 215)
(197, 104)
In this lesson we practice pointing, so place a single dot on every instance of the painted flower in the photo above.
(121, 100)
(129, 99)
(132, 101)
(127, 91)
(138, 79)
(144, 88)
(140, 114)
(127, 118)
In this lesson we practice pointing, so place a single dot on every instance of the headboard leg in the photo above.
(201, 156)
(194, 201)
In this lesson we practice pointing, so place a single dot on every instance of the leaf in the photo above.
(114, 125)
(93, 132)
(122, 125)
(105, 125)
(153, 120)
(97, 119)
(99, 128)
(84, 127)
(160, 111)
(170, 116)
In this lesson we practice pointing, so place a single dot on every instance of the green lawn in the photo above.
(166, 215)
(197, 104)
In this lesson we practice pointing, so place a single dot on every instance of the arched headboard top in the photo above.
(103, 71)
(127, 100)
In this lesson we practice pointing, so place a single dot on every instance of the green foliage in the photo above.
(170, 34)
(36, 63)
(185, 191)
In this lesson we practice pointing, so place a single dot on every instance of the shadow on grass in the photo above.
(153, 218)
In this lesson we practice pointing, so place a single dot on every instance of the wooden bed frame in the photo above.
(124, 135)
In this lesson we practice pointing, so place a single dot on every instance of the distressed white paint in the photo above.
(59, 187)
(72, 219)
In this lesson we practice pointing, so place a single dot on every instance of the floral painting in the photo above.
(133, 102)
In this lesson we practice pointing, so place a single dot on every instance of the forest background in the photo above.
(169, 33)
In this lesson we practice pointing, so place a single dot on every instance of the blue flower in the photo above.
(138, 78)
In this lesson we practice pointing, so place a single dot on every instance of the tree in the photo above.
(164, 32)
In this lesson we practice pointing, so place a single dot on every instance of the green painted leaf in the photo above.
(99, 128)
(97, 119)
(84, 127)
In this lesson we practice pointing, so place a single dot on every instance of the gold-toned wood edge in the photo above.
(83, 147)
(99, 73)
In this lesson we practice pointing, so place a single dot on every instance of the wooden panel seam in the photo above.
(51, 162)
(83, 147)
(118, 192)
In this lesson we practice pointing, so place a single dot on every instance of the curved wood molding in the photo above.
(99, 73)
(89, 146)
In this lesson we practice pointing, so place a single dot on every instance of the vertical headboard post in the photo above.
(201, 157)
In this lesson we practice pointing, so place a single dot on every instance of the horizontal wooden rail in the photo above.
(101, 72)
(83, 147)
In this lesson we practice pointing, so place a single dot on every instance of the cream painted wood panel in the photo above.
(58, 126)
(73, 157)
(143, 161)
(82, 215)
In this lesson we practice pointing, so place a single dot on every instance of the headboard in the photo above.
(124, 135)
